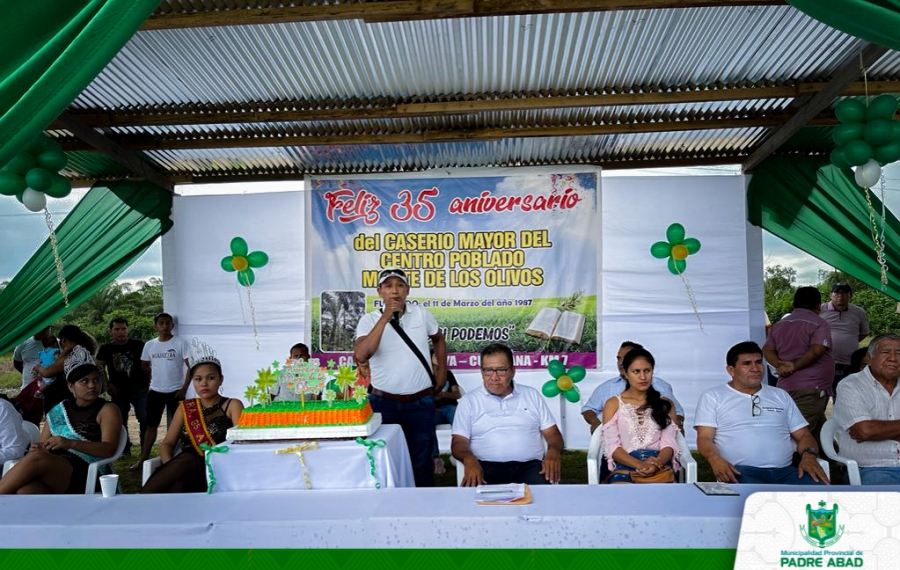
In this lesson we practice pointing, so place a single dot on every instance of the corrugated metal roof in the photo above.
(354, 64)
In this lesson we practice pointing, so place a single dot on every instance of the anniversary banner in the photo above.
(510, 258)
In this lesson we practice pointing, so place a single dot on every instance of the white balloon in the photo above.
(34, 200)
(869, 174)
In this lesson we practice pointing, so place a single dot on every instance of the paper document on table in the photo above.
(716, 488)
(511, 494)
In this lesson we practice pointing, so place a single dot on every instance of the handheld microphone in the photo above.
(396, 316)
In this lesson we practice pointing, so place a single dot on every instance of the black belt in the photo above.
(403, 397)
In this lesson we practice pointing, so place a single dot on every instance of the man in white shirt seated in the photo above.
(748, 430)
(498, 428)
(13, 441)
(868, 414)
(591, 411)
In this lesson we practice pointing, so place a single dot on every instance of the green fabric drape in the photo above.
(876, 21)
(101, 237)
(815, 206)
(52, 50)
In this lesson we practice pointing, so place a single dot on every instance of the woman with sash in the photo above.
(200, 425)
(78, 432)
(639, 428)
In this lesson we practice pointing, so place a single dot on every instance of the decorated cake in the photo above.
(303, 400)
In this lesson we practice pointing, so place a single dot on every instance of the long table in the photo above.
(561, 516)
(329, 464)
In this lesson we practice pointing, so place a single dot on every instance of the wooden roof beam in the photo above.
(376, 111)
(256, 140)
(851, 68)
(403, 10)
(99, 142)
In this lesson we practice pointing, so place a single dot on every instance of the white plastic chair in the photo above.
(149, 467)
(32, 435)
(687, 474)
(829, 435)
(90, 486)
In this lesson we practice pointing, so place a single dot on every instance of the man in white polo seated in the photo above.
(749, 431)
(867, 413)
(498, 428)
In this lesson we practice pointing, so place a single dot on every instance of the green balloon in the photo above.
(675, 233)
(572, 395)
(239, 246)
(850, 110)
(39, 179)
(60, 187)
(577, 373)
(661, 249)
(258, 258)
(11, 183)
(556, 368)
(895, 130)
(888, 153)
(677, 266)
(858, 152)
(692, 245)
(246, 277)
(838, 159)
(52, 160)
(226, 264)
(846, 132)
(882, 107)
(878, 132)
(550, 388)
(21, 163)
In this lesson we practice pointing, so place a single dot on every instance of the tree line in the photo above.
(779, 285)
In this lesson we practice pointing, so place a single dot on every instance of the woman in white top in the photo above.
(639, 426)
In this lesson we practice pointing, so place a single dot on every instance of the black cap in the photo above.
(841, 287)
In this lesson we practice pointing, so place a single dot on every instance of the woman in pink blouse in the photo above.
(639, 424)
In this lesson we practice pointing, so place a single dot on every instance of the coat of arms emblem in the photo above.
(821, 529)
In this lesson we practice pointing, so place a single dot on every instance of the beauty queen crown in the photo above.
(78, 357)
(202, 353)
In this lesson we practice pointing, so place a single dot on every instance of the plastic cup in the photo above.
(108, 484)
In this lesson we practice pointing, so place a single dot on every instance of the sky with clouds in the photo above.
(24, 231)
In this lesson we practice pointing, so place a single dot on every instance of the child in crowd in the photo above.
(47, 357)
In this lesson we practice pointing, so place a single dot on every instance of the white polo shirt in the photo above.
(395, 367)
(763, 440)
(863, 398)
(504, 429)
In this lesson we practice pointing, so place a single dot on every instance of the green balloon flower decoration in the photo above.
(33, 174)
(243, 261)
(563, 381)
(677, 248)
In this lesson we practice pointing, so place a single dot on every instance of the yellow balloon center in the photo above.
(239, 263)
(564, 382)
(680, 252)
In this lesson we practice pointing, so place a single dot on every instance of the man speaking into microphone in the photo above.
(394, 341)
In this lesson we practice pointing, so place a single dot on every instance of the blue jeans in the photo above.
(879, 475)
(443, 415)
(139, 401)
(416, 418)
(640, 454)
(773, 476)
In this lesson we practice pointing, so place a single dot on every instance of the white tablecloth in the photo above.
(336, 464)
(561, 516)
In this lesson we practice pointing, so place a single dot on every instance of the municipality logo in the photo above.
(821, 529)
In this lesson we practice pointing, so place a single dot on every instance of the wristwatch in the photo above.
(812, 450)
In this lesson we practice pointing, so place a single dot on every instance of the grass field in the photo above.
(10, 379)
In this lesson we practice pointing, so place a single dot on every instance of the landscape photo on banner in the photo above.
(509, 259)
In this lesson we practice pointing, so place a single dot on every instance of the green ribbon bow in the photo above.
(371, 444)
(208, 451)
